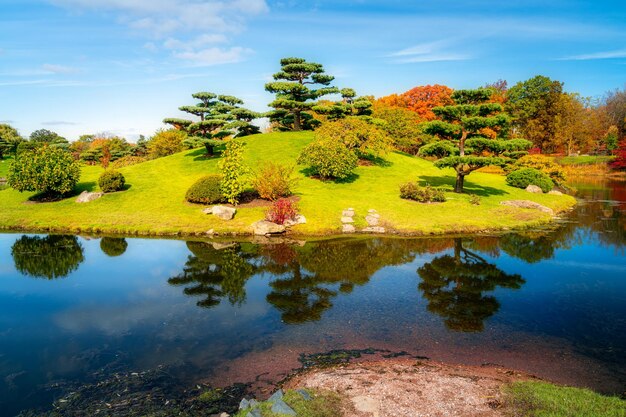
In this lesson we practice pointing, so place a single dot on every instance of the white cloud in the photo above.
(198, 42)
(621, 53)
(59, 69)
(429, 52)
(215, 56)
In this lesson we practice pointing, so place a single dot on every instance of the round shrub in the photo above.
(111, 181)
(427, 194)
(207, 190)
(329, 159)
(50, 171)
(273, 181)
(524, 177)
(544, 164)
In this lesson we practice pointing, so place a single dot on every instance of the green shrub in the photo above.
(166, 142)
(358, 135)
(50, 171)
(544, 164)
(207, 190)
(427, 194)
(524, 177)
(233, 171)
(111, 181)
(329, 159)
(126, 161)
(273, 181)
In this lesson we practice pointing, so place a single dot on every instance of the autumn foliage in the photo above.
(619, 163)
(421, 99)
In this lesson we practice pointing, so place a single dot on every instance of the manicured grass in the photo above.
(155, 204)
(321, 404)
(540, 399)
(4, 166)
(583, 160)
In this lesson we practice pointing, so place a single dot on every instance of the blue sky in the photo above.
(121, 66)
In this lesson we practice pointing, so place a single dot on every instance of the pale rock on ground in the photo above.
(263, 227)
(527, 204)
(86, 197)
(223, 212)
(534, 189)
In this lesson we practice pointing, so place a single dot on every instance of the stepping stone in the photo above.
(374, 230)
(372, 220)
(347, 220)
(281, 407)
(347, 213)
(348, 228)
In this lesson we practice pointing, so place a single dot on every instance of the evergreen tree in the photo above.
(220, 116)
(9, 140)
(296, 94)
(349, 105)
(463, 123)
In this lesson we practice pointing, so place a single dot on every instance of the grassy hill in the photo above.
(155, 204)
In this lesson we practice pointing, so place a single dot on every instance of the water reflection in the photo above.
(53, 256)
(214, 272)
(455, 288)
(113, 246)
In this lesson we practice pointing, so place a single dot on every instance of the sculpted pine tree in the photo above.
(349, 105)
(296, 93)
(220, 116)
(461, 124)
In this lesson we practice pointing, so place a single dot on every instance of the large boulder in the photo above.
(555, 192)
(86, 197)
(527, 204)
(263, 227)
(299, 219)
(534, 189)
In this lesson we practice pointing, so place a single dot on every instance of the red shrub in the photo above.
(619, 163)
(281, 211)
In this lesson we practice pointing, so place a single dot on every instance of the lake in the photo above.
(79, 311)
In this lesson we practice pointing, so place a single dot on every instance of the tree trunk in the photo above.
(209, 149)
(462, 143)
(296, 121)
(460, 178)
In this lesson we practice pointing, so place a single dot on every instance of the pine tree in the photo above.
(462, 123)
(296, 93)
(220, 116)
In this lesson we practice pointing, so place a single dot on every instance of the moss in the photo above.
(539, 399)
(321, 404)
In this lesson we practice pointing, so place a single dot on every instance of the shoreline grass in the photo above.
(155, 205)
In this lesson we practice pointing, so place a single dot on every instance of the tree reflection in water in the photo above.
(52, 256)
(215, 272)
(113, 246)
(455, 288)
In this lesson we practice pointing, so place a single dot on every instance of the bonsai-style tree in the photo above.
(349, 105)
(455, 288)
(296, 93)
(462, 124)
(220, 116)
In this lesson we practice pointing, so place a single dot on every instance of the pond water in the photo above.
(76, 310)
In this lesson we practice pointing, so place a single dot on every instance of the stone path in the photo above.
(372, 219)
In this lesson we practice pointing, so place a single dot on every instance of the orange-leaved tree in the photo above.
(422, 99)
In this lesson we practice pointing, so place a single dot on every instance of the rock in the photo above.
(254, 403)
(86, 197)
(263, 227)
(304, 394)
(210, 232)
(299, 219)
(527, 204)
(244, 404)
(375, 229)
(254, 413)
(347, 213)
(278, 395)
(208, 210)
(534, 189)
(347, 220)
(222, 245)
(372, 220)
(223, 212)
(281, 407)
(220, 415)
(555, 192)
(348, 228)
(3, 181)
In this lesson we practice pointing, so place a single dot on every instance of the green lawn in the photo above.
(4, 166)
(155, 202)
(540, 399)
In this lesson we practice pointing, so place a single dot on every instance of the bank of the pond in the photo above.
(155, 202)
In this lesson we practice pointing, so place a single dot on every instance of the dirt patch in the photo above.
(406, 387)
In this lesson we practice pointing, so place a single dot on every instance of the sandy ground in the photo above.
(403, 387)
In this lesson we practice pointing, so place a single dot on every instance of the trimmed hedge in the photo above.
(111, 181)
(427, 194)
(207, 190)
(524, 177)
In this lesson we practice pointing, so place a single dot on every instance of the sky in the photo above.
(121, 66)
